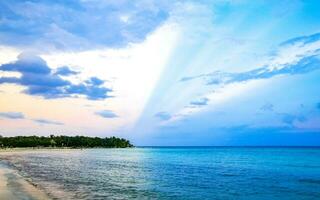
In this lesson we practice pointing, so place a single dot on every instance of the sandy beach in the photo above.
(15, 187)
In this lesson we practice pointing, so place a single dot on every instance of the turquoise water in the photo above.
(175, 173)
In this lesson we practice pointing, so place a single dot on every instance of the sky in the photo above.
(162, 72)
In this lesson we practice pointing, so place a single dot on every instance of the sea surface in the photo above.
(174, 173)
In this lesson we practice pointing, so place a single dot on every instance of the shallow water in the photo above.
(175, 173)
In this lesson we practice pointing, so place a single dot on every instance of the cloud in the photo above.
(27, 64)
(20, 115)
(44, 121)
(79, 24)
(163, 116)
(106, 114)
(201, 102)
(39, 80)
(301, 55)
(267, 107)
(296, 56)
(289, 119)
(303, 40)
(95, 81)
(12, 115)
(65, 71)
(305, 65)
(188, 78)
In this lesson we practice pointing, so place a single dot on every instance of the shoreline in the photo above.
(30, 149)
(19, 149)
(15, 186)
(26, 150)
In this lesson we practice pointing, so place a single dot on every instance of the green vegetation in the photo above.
(63, 141)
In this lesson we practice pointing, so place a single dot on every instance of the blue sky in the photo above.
(224, 72)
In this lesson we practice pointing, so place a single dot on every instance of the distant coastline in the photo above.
(64, 142)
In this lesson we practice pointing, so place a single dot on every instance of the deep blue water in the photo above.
(175, 173)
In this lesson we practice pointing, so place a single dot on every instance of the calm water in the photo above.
(176, 173)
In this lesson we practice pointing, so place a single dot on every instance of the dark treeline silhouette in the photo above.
(63, 141)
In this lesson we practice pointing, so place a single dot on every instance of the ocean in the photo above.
(174, 173)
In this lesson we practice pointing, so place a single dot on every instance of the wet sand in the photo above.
(15, 187)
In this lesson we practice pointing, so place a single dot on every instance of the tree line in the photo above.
(64, 142)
